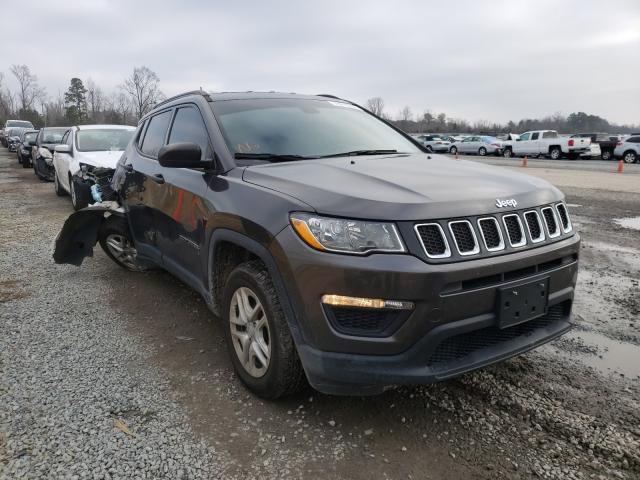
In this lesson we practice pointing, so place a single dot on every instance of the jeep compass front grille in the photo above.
(462, 238)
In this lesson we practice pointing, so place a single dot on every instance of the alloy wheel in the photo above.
(122, 250)
(250, 332)
(630, 157)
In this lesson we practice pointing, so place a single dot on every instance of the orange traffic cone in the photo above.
(620, 166)
(525, 162)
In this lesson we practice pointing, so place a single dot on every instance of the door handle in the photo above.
(158, 178)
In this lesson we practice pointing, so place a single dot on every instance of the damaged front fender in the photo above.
(79, 233)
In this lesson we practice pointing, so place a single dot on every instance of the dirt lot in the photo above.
(109, 374)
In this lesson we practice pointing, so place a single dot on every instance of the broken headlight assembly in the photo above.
(347, 236)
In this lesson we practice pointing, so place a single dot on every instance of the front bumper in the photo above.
(451, 300)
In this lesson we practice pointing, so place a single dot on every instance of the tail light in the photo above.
(438, 143)
(571, 142)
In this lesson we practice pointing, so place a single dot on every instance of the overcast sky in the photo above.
(489, 60)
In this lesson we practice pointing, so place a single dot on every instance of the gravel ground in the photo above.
(108, 374)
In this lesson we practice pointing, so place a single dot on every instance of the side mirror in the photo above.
(62, 148)
(182, 155)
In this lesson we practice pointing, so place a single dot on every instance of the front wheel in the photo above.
(262, 350)
(606, 155)
(630, 157)
(508, 153)
(482, 151)
(453, 150)
(56, 185)
(555, 153)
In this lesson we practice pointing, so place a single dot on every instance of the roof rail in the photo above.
(328, 96)
(185, 94)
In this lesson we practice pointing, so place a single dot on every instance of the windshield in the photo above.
(19, 123)
(53, 135)
(99, 140)
(302, 127)
(29, 137)
(15, 132)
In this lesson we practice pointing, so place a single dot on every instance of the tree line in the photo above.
(83, 102)
(577, 122)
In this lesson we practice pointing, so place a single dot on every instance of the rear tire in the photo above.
(555, 153)
(453, 150)
(482, 151)
(606, 155)
(508, 153)
(275, 370)
(116, 241)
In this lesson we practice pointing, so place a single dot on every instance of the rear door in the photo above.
(535, 146)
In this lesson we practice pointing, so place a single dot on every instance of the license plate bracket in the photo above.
(523, 302)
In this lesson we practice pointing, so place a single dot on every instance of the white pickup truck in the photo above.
(548, 143)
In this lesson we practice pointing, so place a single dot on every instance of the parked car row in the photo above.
(536, 143)
(79, 159)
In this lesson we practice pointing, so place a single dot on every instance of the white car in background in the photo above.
(86, 159)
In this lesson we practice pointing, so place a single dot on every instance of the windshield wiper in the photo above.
(354, 153)
(271, 157)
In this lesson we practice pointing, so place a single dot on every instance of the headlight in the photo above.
(44, 153)
(348, 236)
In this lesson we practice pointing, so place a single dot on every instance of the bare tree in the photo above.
(95, 100)
(376, 106)
(142, 87)
(406, 114)
(28, 88)
(121, 105)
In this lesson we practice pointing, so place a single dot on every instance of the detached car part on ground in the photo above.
(350, 257)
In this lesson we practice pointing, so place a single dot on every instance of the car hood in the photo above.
(402, 187)
(105, 159)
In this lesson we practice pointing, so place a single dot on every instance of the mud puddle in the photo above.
(629, 222)
(600, 352)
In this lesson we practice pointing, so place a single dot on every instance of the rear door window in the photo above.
(156, 133)
(534, 136)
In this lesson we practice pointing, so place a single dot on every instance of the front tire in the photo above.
(80, 197)
(630, 157)
(555, 153)
(56, 185)
(508, 153)
(262, 350)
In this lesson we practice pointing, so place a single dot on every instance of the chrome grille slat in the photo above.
(489, 227)
(551, 222)
(534, 226)
(464, 237)
(565, 221)
(433, 240)
(514, 229)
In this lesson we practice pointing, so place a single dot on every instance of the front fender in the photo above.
(79, 233)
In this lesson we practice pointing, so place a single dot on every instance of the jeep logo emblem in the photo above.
(506, 203)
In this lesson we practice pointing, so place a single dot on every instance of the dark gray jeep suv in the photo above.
(333, 247)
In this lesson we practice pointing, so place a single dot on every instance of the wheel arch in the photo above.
(224, 242)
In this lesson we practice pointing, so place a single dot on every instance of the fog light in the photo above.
(342, 301)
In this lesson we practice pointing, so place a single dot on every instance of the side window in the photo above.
(188, 126)
(633, 139)
(156, 131)
(534, 136)
(524, 136)
(549, 135)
